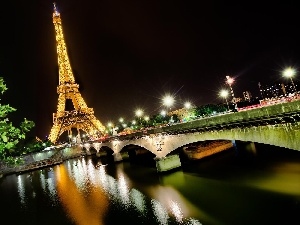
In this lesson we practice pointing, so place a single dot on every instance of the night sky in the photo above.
(128, 54)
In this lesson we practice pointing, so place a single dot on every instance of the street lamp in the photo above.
(224, 94)
(168, 101)
(187, 105)
(139, 113)
(163, 113)
(289, 73)
(230, 81)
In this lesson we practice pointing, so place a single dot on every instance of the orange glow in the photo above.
(80, 210)
(68, 89)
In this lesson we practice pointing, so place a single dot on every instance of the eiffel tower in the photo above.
(82, 118)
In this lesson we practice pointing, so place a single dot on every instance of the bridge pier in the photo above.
(88, 152)
(117, 157)
(167, 163)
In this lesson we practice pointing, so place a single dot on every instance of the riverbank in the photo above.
(36, 161)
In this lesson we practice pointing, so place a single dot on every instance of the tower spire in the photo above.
(55, 9)
(65, 71)
(82, 118)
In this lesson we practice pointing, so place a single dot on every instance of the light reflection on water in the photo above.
(86, 194)
(82, 191)
(21, 190)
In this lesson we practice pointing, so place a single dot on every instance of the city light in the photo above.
(224, 94)
(229, 80)
(163, 113)
(168, 100)
(187, 105)
(289, 72)
(139, 112)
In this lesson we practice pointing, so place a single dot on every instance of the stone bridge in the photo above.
(277, 125)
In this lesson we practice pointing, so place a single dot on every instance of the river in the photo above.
(260, 187)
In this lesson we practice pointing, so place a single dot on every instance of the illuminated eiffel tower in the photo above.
(82, 118)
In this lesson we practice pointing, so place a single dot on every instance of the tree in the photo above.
(10, 136)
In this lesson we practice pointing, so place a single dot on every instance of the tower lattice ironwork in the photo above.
(82, 117)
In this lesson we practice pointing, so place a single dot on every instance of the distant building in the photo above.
(247, 96)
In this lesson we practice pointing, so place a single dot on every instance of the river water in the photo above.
(261, 186)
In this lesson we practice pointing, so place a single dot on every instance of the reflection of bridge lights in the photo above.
(82, 175)
(103, 176)
(138, 200)
(123, 190)
(192, 221)
(21, 189)
(160, 212)
(48, 186)
(176, 211)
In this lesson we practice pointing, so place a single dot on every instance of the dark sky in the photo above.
(128, 54)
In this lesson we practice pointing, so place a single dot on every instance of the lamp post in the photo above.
(289, 73)
(139, 113)
(230, 81)
(224, 94)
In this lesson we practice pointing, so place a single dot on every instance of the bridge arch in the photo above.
(281, 135)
